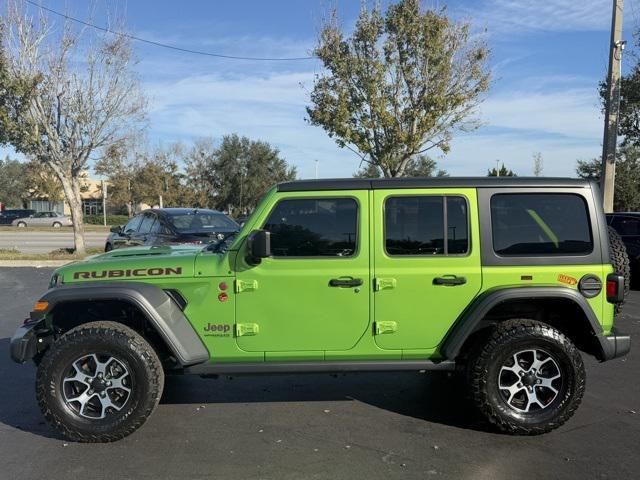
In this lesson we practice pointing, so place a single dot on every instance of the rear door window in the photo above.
(426, 225)
(531, 224)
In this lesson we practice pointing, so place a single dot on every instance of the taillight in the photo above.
(615, 288)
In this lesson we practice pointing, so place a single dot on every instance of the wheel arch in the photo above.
(73, 305)
(563, 308)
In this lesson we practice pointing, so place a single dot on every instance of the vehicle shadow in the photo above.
(433, 397)
(18, 406)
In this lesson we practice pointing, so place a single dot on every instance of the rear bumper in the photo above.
(615, 345)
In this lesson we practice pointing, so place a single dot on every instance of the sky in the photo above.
(547, 57)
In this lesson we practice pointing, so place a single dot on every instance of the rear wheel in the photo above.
(57, 225)
(108, 247)
(527, 378)
(22, 224)
(99, 382)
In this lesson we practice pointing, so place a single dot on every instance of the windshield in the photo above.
(202, 222)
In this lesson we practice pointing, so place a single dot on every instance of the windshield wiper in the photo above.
(221, 245)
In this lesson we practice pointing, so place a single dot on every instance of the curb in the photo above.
(34, 263)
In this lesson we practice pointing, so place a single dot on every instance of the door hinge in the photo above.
(247, 329)
(384, 283)
(386, 327)
(245, 285)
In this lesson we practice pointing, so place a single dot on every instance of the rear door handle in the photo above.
(345, 282)
(449, 281)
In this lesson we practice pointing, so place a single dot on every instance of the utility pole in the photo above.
(612, 108)
(316, 169)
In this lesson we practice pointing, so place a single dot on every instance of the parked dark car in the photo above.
(8, 216)
(627, 225)
(167, 226)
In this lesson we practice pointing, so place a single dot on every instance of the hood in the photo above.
(138, 263)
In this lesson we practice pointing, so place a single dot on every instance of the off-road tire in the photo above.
(620, 261)
(489, 355)
(109, 338)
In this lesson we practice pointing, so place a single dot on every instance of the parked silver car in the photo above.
(44, 219)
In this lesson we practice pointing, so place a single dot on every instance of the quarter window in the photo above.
(326, 227)
(540, 224)
(426, 225)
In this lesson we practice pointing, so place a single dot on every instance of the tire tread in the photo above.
(75, 338)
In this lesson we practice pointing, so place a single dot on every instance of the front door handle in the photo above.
(345, 282)
(449, 281)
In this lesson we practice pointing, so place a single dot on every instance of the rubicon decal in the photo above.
(133, 272)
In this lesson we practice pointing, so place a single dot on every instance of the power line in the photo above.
(164, 45)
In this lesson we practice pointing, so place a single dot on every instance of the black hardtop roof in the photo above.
(431, 182)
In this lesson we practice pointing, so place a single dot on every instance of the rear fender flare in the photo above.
(472, 318)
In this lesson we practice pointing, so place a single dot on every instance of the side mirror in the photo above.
(259, 245)
(116, 229)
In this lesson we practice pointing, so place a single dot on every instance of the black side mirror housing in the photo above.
(116, 229)
(259, 245)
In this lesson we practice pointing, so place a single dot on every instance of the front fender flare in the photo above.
(471, 318)
(162, 312)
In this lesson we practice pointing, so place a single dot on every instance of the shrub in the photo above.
(111, 219)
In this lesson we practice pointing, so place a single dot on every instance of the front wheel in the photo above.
(57, 225)
(527, 378)
(99, 382)
(22, 224)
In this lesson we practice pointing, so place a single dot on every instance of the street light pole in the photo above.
(104, 203)
(612, 108)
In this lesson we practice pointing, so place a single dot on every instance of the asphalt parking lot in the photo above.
(373, 426)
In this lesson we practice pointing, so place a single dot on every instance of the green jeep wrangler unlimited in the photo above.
(506, 280)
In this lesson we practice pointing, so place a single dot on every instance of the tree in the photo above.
(589, 169)
(627, 186)
(629, 119)
(70, 98)
(159, 175)
(120, 165)
(503, 172)
(137, 174)
(538, 164)
(422, 166)
(200, 171)
(400, 85)
(12, 183)
(235, 175)
(42, 183)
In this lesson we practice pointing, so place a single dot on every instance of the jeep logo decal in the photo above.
(217, 329)
(134, 272)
